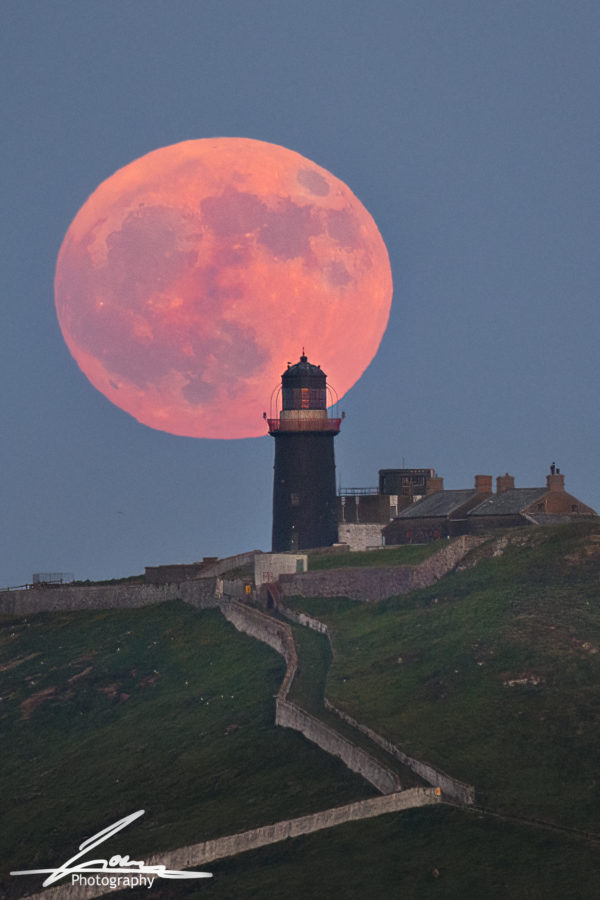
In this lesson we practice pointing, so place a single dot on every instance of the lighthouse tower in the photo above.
(304, 500)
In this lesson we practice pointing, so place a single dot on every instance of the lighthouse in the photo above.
(304, 499)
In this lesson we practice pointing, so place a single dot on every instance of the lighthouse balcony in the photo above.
(292, 425)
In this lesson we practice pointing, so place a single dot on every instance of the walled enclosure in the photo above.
(373, 584)
(200, 593)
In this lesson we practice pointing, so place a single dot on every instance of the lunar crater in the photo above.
(313, 181)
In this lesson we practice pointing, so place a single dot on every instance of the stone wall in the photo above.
(235, 587)
(197, 855)
(207, 852)
(304, 619)
(93, 597)
(372, 584)
(452, 787)
(278, 635)
(175, 574)
(258, 625)
(289, 715)
(457, 790)
(199, 593)
(202, 593)
(231, 562)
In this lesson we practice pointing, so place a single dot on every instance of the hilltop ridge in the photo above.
(489, 673)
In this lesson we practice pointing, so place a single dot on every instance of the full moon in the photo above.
(191, 276)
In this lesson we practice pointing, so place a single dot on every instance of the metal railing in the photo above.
(322, 424)
(357, 492)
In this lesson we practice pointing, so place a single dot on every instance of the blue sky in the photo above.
(469, 130)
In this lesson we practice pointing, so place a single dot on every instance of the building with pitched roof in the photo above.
(445, 514)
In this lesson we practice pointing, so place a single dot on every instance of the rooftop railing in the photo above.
(358, 491)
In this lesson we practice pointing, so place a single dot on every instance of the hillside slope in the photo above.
(492, 674)
(167, 709)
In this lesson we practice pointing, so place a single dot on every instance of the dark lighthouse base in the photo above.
(304, 497)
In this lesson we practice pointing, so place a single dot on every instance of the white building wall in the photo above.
(360, 537)
(269, 566)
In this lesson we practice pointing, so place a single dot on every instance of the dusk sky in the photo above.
(469, 131)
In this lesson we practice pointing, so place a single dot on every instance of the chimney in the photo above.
(483, 484)
(434, 485)
(504, 483)
(555, 481)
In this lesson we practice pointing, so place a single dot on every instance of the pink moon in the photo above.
(191, 276)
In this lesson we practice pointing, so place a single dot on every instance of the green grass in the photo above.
(308, 688)
(244, 573)
(167, 709)
(419, 854)
(128, 579)
(314, 660)
(430, 670)
(409, 555)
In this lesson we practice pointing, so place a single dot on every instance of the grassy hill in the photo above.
(167, 709)
(407, 555)
(421, 854)
(492, 674)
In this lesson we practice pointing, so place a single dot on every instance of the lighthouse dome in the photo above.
(304, 386)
